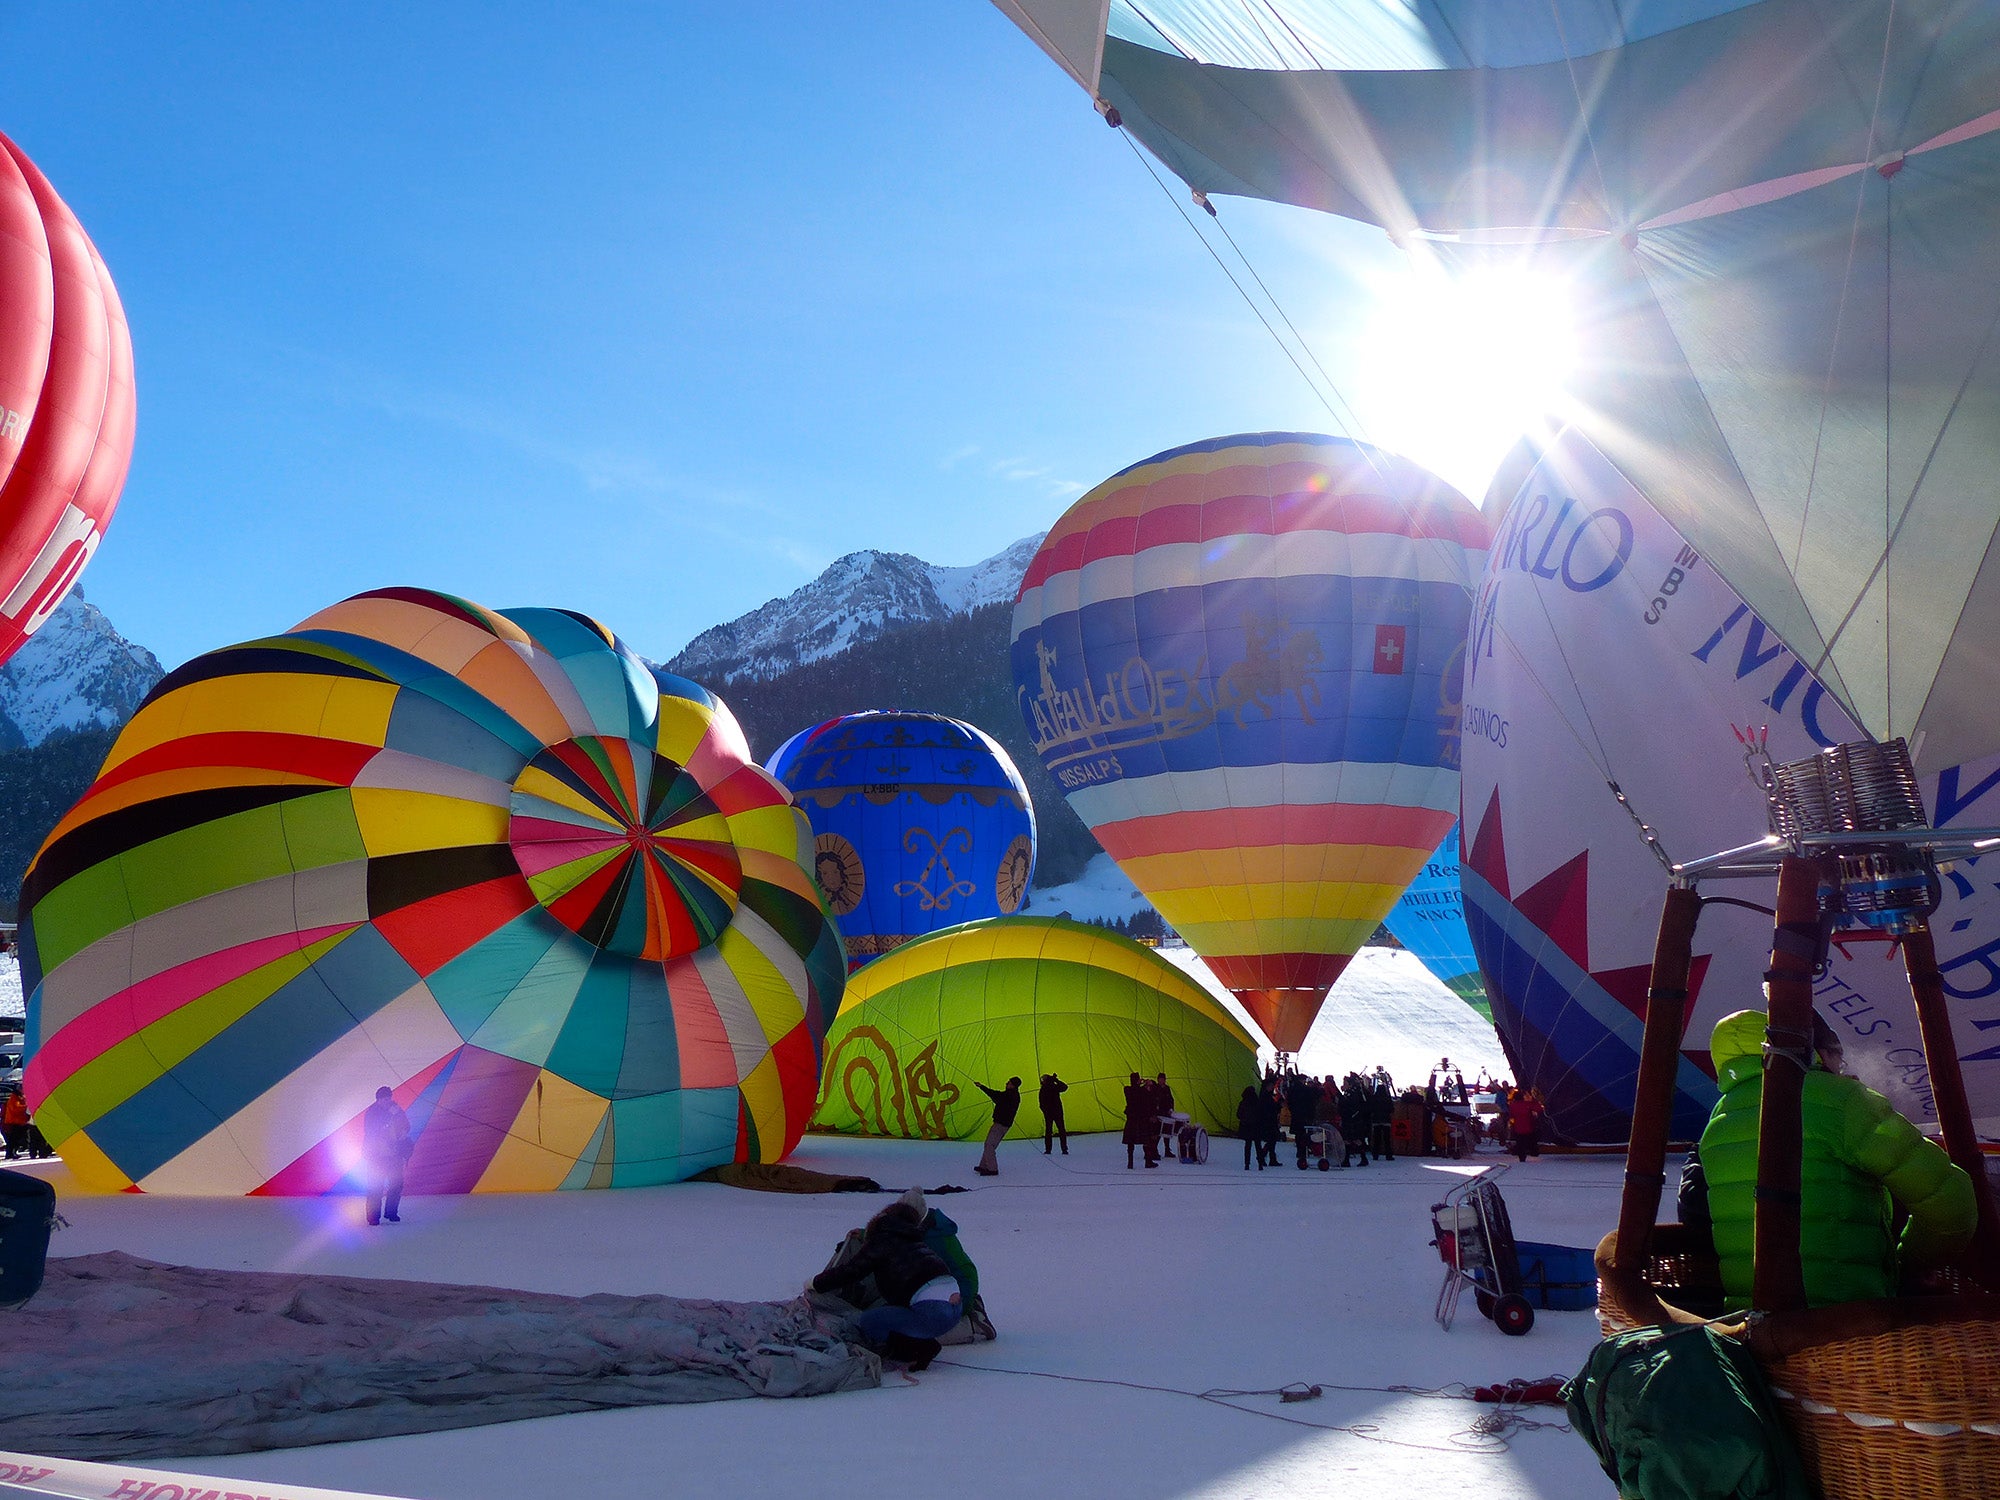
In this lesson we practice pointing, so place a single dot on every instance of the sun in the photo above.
(1453, 366)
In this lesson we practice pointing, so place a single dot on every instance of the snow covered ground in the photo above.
(1102, 893)
(13, 1006)
(1116, 1293)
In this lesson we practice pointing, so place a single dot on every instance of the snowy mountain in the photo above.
(856, 599)
(76, 672)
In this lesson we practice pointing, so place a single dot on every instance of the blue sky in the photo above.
(645, 310)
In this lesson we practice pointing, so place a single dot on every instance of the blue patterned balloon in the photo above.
(919, 822)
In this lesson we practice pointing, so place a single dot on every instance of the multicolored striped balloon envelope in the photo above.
(489, 859)
(1242, 661)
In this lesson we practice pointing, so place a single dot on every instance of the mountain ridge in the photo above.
(856, 598)
(76, 673)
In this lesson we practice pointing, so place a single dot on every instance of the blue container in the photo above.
(27, 1213)
(1557, 1277)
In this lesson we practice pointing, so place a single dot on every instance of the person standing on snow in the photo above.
(1272, 1125)
(1524, 1119)
(1006, 1105)
(1142, 1125)
(386, 1147)
(1303, 1098)
(1354, 1119)
(1250, 1125)
(14, 1121)
(1382, 1119)
(1053, 1088)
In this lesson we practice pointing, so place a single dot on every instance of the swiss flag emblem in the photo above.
(1391, 647)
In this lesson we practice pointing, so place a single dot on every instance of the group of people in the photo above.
(1355, 1115)
(1007, 1109)
(1151, 1119)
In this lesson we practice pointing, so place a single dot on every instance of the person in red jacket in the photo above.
(14, 1124)
(1524, 1120)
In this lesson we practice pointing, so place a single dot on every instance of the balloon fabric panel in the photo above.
(1429, 920)
(1241, 660)
(1020, 997)
(322, 862)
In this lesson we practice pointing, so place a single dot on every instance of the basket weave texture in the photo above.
(1912, 1412)
(1908, 1413)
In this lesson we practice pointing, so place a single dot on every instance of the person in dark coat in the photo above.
(1303, 1098)
(921, 1298)
(1354, 1111)
(1142, 1125)
(385, 1148)
(1053, 1088)
(1269, 1112)
(1006, 1106)
(1382, 1119)
(1250, 1125)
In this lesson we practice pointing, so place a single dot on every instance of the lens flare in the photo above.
(1456, 366)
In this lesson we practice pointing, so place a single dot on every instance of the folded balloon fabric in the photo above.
(133, 1359)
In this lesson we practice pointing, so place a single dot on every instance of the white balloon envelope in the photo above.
(1611, 681)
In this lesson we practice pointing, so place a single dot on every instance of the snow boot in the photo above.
(912, 1353)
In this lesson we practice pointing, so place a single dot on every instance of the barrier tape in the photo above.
(73, 1479)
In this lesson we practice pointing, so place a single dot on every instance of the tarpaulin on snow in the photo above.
(133, 1359)
(782, 1177)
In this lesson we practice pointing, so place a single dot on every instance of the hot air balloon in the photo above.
(1429, 920)
(1241, 660)
(1020, 997)
(487, 859)
(67, 409)
(919, 822)
(1608, 701)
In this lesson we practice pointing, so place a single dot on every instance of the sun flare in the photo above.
(1454, 367)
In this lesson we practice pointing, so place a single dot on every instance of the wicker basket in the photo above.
(1910, 1411)
(1892, 1400)
(1680, 1283)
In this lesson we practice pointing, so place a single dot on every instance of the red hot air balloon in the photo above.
(67, 408)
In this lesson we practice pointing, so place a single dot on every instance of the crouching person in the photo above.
(920, 1297)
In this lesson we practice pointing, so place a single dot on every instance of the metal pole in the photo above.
(1659, 1061)
(1779, 1283)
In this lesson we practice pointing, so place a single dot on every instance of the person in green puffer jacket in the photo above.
(1859, 1154)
